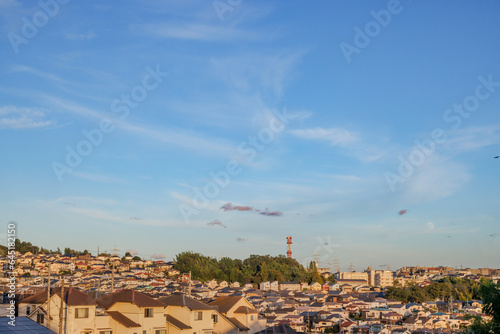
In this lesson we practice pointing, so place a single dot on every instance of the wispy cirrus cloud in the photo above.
(79, 36)
(472, 138)
(38, 73)
(12, 117)
(187, 139)
(196, 32)
(334, 136)
(267, 72)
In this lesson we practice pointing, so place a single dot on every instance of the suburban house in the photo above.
(131, 312)
(77, 308)
(240, 312)
(185, 315)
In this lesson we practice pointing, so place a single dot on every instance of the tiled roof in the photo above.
(245, 310)
(122, 319)
(183, 300)
(72, 296)
(238, 324)
(176, 323)
(128, 296)
(279, 329)
(224, 304)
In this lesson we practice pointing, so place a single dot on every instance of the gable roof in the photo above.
(245, 310)
(72, 297)
(183, 300)
(224, 304)
(278, 329)
(128, 296)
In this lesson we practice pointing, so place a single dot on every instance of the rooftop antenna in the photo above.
(351, 267)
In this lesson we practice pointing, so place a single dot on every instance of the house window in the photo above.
(28, 310)
(105, 332)
(161, 331)
(215, 318)
(81, 313)
(39, 318)
(148, 313)
(144, 332)
(251, 317)
(198, 315)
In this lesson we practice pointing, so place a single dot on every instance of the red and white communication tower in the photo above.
(289, 247)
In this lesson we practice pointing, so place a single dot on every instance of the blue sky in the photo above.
(311, 116)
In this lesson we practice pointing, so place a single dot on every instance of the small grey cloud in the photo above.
(271, 213)
(135, 218)
(132, 252)
(158, 256)
(230, 207)
(494, 235)
(216, 223)
(69, 204)
(240, 239)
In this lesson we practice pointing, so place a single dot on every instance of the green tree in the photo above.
(264, 272)
(490, 294)
(314, 276)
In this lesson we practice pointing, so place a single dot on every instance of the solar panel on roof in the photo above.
(22, 325)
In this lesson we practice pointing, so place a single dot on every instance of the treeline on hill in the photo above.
(255, 269)
(24, 247)
(443, 289)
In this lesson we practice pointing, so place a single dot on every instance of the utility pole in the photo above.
(189, 288)
(61, 307)
(48, 299)
(336, 264)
